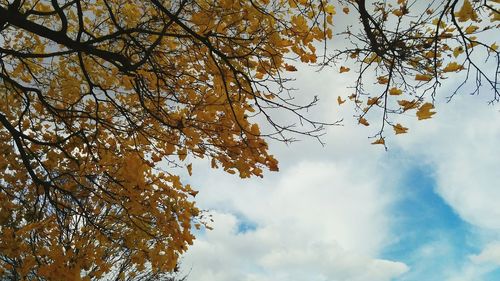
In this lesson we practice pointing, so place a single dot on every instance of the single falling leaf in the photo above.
(345, 10)
(344, 69)
(424, 111)
(363, 121)
(399, 129)
(190, 169)
(339, 100)
(379, 141)
(193, 193)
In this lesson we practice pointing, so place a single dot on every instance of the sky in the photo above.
(425, 209)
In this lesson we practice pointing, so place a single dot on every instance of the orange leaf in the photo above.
(399, 129)
(363, 121)
(344, 69)
(290, 68)
(379, 141)
(382, 80)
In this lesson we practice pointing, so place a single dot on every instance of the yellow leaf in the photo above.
(453, 66)
(395, 91)
(330, 9)
(495, 16)
(494, 46)
(399, 129)
(430, 54)
(339, 100)
(471, 29)
(457, 51)
(466, 12)
(424, 112)
(423, 77)
(407, 105)
(398, 13)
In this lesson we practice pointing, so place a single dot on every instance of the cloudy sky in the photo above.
(426, 209)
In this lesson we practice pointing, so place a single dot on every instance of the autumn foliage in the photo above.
(102, 102)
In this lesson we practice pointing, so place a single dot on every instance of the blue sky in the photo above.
(424, 221)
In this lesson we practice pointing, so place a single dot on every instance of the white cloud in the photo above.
(324, 218)
(462, 144)
(318, 221)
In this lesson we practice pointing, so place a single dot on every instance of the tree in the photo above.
(101, 101)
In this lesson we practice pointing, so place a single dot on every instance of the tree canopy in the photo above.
(101, 102)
